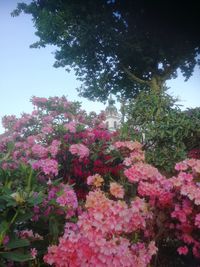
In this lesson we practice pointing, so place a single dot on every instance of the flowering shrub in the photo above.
(102, 235)
(70, 145)
(73, 194)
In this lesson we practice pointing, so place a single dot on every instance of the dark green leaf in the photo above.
(18, 243)
(16, 256)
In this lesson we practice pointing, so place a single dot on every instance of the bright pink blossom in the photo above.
(48, 166)
(183, 250)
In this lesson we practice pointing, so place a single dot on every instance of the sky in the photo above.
(25, 72)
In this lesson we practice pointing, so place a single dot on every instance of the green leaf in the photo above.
(3, 226)
(18, 243)
(16, 256)
(24, 217)
(54, 227)
(35, 200)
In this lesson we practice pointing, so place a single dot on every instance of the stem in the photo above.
(29, 181)
(14, 217)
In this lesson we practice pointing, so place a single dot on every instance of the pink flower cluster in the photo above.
(28, 234)
(129, 144)
(67, 199)
(39, 151)
(98, 239)
(142, 172)
(116, 190)
(176, 201)
(79, 149)
(95, 180)
(71, 126)
(134, 149)
(48, 166)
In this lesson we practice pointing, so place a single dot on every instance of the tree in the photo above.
(119, 46)
(167, 133)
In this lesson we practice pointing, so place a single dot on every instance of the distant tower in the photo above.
(112, 116)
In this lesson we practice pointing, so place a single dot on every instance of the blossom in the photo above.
(39, 150)
(80, 150)
(95, 180)
(54, 148)
(98, 237)
(129, 144)
(48, 166)
(181, 166)
(71, 126)
(142, 171)
(47, 129)
(183, 250)
(67, 198)
(197, 220)
(6, 239)
(116, 190)
(28, 234)
(34, 252)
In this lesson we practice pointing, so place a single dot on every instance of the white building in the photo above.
(113, 118)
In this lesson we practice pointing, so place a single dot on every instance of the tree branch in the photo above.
(135, 78)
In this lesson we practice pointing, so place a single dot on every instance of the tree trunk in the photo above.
(156, 85)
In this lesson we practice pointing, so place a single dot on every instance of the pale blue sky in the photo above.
(26, 72)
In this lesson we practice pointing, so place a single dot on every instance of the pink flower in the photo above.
(31, 140)
(116, 190)
(95, 180)
(183, 250)
(39, 150)
(142, 171)
(71, 126)
(6, 240)
(197, 220)
(100, 236)
(34, 252)
(48, 166)
(67, 198)
(54, 148)
(181, 166)
(80, 150)
(47, 129)
(129, 144)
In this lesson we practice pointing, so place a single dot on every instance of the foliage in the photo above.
(73, 194)
(118, 46)
(165, 130)
(192, 144)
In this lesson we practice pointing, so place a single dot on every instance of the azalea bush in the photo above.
(45, 158)
(74, 194)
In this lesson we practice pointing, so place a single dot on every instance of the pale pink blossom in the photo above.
(95, 180)
(34, 252)
(80, 150)
(116, 190)
(48, 166)
(71, 126)
(54, 148)
(39, 150)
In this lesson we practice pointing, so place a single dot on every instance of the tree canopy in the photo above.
(119, 46)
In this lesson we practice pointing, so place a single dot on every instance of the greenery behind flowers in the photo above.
(167, 133)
